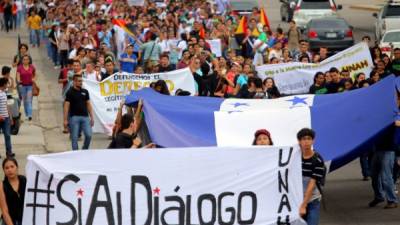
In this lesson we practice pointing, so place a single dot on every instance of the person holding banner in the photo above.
(12, 193)
(314, 172)
(127, 127)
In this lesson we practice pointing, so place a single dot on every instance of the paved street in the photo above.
(346, 196)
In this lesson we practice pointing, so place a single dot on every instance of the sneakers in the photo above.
(391, 205)
(375, 202)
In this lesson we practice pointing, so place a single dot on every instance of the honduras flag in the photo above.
(344, 123)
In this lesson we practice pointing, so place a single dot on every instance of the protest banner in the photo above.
(105, 96)
(296, 77)
(135, 2)
(215, 46)
(260, 186)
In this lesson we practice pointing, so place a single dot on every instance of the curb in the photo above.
(371, 8)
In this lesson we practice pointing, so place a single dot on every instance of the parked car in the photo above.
(390, 40)
(388, 18)
(334, 33)
(312, 9)
(287, 9)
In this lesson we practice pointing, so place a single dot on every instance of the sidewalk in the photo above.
(44, 133)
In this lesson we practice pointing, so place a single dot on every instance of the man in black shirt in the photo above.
(126, 138)
(77, 106)
(336, 85)
(110, 69)
(165, 66)
(313, 177)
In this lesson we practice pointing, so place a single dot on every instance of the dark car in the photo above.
(287, 9)
(333, 33)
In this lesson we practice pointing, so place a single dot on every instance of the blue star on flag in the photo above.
(237, 104)
(296, 100)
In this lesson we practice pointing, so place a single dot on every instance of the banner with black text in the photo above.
(106, 96)
(259, 185)
(296, 77)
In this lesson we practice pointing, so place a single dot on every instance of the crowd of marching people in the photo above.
(97, 39)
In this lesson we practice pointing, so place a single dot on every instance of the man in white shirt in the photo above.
(5, 122)
(90, 73)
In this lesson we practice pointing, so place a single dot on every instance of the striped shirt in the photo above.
(3, 104)
(313, 168)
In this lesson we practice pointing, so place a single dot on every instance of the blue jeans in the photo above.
(26, 94)
(382, 175)
(54, 54)
(312, 216)
(364, 162)
(78, 123)
(20, 17)
(5, 127)
(48, 47)
(34, 37)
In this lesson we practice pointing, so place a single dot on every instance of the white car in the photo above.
(388, 18)
(314, 9)
(390, 41)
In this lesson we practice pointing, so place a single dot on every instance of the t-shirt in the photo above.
(77, 99)
(335, 87)
(230, 76)
(90, 76)
(147, 48)
(313, 168)
(26, 75)
(242, 80)
(122, 140)
(3, 104)
(318, 90)
(34, 22)
(163, 69)
(128, 67)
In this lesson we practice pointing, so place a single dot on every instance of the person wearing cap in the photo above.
(128, 60)
(313, 172)
(262, 137)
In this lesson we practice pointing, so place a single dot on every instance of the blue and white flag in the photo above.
(344, 123)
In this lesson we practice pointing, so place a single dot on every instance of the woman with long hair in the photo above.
(12, 193)
(26, 74)
(161, 87)
(22, 50)
(271, 89)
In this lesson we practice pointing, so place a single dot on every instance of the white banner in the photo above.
(136, 2)
(216, 47)
(106, 96)
(296, 78)
(259, 186)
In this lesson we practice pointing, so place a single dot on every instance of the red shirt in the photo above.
(26, 76)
